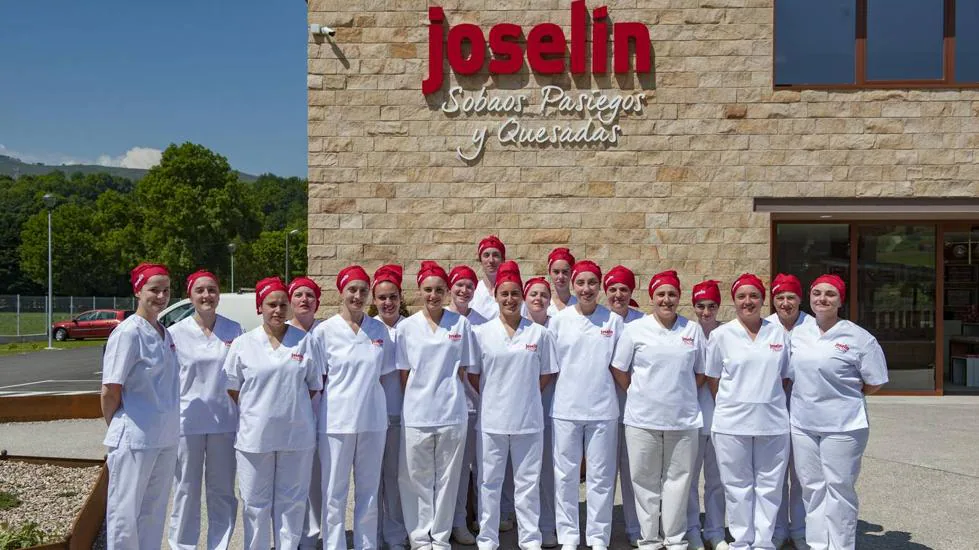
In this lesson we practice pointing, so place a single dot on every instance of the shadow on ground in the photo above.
(872, 536)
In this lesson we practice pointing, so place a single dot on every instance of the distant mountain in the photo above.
(10, 166)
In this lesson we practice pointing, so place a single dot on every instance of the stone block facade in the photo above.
(675, 192)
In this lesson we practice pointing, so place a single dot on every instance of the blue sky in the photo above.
(113, 81)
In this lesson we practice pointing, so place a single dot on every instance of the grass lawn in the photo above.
(28, 347)
(30, 323)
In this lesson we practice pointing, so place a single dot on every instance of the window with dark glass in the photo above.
(874, 43)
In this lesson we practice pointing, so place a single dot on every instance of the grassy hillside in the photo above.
(13, 167)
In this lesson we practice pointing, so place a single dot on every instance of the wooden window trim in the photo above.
(947, 82)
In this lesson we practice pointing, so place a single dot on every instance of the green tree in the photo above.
(283, 201)
(191, 206)
(77, 266)
(266, 257)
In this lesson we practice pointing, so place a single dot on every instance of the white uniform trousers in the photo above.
(664, 462)
(312, 530)
(752, 471)
(339, 454)
(713, 526)
(429, 466)
(599, 439)
(468, 476)
(632, 530)
(828, 465)
(390, 520)
(207, 458)
(791, 520)
(274, 487)
(524, 452)
(139, 488)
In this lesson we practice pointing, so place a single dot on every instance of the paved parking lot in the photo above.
(51, 372)
(918, 487)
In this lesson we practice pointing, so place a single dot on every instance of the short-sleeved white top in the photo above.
(275, 412)
(552, 309)
(472, 396)
(435, 394)
(353, 364)
(205, 407)
(145, 364)
(705, 398)
(510, 369)
(801, 320)
(631, 316)
(484, 301)
(585, 390)
(750, 396)
(664, 364)
(391, 382)
(829, 371)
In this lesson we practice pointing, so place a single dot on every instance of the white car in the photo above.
(238, 307)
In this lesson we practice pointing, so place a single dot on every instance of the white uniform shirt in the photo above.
(205, 407)
(472, 397)
(274, 409)
(705, 398)
(829, 371)
(484, 301)
(353, 364)
(510, 369)
(664, 364)
(145, 364)
(630, 316)
(552, 309)
(434, 395)
(584, 390)
(801, 320)
(391, 382)
(750, 397)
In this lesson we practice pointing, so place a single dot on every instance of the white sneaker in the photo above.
(800, 543)
(599, 547)
(694, 542)
(569, 547)
(719, 544)
(634, 542)
(548, 540)
(463, 536)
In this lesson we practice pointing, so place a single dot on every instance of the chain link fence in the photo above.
(22, 315)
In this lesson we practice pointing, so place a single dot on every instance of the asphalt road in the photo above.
(51, 372)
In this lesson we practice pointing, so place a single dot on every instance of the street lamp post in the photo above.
(293, 232)
(231, 249)
(49, 202)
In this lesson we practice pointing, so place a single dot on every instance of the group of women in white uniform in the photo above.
(519, 387)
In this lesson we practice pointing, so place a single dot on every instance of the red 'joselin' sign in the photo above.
(546, 45)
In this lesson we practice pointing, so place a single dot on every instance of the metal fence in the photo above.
(26, 315)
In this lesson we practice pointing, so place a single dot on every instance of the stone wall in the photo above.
(676, 191)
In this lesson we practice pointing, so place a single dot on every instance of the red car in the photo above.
(97, 323)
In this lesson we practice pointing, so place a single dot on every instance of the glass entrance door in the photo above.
(960, 312)
(895, 297)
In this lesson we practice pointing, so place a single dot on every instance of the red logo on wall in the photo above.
(546, 45)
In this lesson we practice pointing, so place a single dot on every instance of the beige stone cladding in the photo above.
(675, 191)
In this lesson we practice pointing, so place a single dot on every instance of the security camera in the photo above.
(322, 30)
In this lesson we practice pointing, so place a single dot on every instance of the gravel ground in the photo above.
(52, 496)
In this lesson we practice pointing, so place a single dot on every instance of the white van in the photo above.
(238, 307)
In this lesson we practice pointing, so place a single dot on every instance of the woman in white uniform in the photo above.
(748, 365)
(435, 346)
(659, 361)
(619, 284)
(835, 363)
(304, 297)
(585, 412)
(386, 288)
(559, 263)
(272, 376)
(356, 351)
(515, 359)
(141, 405)
(462, 284)
(537, 297)
(492, 253)
(791, 520)
(706, 298)
(208, 420)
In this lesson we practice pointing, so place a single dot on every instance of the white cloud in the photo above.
(137, 157)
